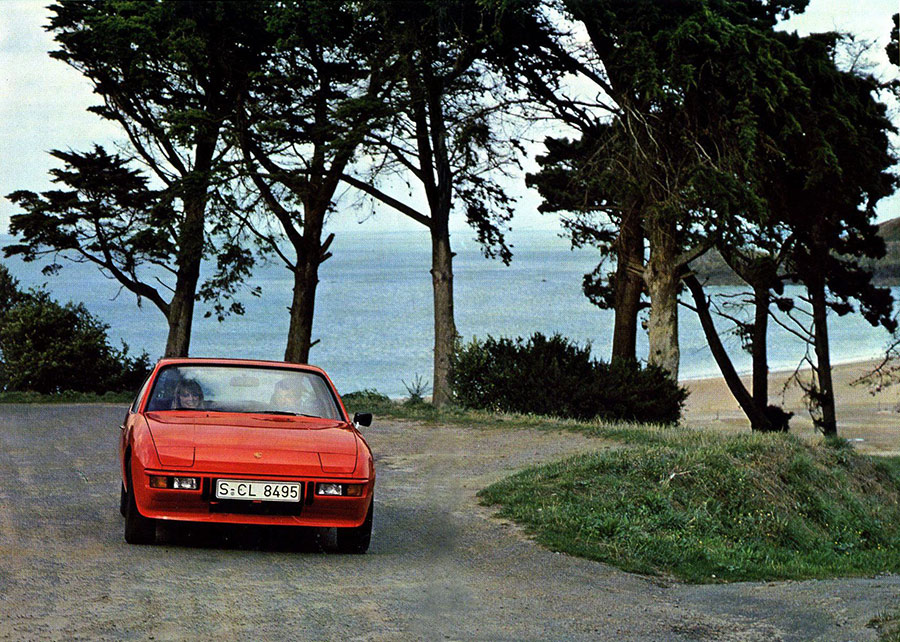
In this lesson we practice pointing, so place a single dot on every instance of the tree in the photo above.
(835, 170)
(600, 211)
(443, 133)
(299, 123)
(162, 70)
(680, 85)
(893, 47)
(820, 184)
(78, 358)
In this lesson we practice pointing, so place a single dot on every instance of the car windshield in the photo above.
(243, 389)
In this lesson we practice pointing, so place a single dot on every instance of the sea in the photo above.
(373, 317)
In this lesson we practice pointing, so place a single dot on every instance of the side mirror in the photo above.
(363, 419)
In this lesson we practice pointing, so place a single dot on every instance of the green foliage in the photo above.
(366, 401)
(417, 390)
(893, 47)
(709, 508)
(555, 377)
(163, 72)
(46, 347)
(835, 168)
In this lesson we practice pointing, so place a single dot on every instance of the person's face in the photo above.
(188, 399)
(284, 396)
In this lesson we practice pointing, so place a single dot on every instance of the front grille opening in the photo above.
(240, 507)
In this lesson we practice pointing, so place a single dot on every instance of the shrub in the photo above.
(366, 401)
(553, 376)
(47, 347)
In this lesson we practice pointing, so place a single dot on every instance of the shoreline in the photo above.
(870, 421)
(746, 374)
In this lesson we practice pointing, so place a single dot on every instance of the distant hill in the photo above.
(890, 230)
(887, 270)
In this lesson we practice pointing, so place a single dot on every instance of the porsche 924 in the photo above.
(245, 442)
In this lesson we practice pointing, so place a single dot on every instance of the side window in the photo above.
(163, 392)
(140, 395)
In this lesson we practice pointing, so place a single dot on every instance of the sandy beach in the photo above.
(871, 422)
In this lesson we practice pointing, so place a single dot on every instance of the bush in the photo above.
(556, 377)
(46, 347)
(366, 401)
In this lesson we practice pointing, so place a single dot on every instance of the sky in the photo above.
(43, 102)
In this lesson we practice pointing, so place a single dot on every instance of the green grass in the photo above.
(696, 504)
(704, 507)
(422, 412)
(67, 396)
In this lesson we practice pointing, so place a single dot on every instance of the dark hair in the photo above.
(189, 385)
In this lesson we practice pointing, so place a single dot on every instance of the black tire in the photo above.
(138, 529)
(356, 540)
(123, 501)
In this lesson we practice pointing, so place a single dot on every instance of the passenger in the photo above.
(188, 396)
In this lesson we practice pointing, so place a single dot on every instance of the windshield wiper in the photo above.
(285, 412)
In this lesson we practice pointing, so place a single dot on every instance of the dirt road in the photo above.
(440, 567)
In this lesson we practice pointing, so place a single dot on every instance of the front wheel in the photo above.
(138, 529)
(356, 540)
(123, 501)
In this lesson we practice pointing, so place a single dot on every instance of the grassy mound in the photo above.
(705, 507)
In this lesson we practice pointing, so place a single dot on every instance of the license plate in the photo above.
(258, 491)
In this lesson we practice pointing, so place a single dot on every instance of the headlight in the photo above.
(177, 483)
(336, 490)
(185, 483)
(329, 489)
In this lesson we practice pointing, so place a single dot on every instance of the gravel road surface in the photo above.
(440, 567)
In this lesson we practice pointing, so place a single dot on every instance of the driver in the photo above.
(290, 394)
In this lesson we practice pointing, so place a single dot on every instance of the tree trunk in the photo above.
(662, 277)
(310, 254)
(306, 278)
(755, 412)
(761, 274)
(190, 243)
(828, 422)
(190, 254)
(444, 324)
(180, 318)
(629, 255)
(759, 347)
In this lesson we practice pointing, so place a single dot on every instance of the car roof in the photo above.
(236, 362)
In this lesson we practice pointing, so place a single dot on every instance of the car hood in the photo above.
(234, 444)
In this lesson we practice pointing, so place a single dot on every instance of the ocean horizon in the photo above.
(373, 319)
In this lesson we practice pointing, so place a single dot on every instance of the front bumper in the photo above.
(202, 506)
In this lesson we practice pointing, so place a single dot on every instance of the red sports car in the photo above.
(245, 442)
